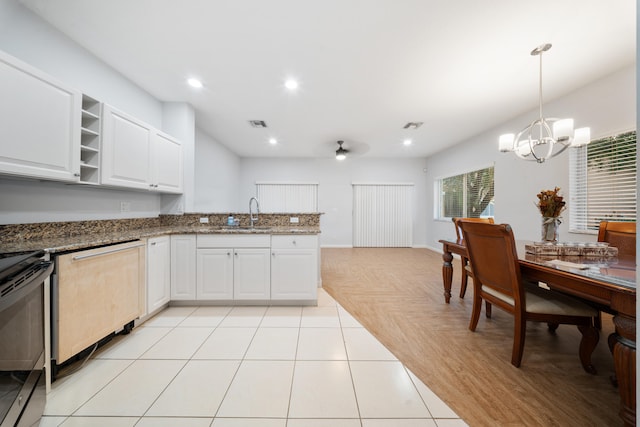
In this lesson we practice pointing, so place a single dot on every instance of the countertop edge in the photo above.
(85, 241)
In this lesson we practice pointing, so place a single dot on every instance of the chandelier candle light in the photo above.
(544, 138)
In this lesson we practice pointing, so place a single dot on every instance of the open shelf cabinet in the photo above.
(90, 141)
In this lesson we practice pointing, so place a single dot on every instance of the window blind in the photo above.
(467, 195)
(382, 215)
(287, 197)
(603, 182)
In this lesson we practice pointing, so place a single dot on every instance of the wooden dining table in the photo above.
(609, 283)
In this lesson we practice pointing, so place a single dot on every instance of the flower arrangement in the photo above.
(550, 203)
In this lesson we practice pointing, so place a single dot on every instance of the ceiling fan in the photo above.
(341, 153)
(346, 147)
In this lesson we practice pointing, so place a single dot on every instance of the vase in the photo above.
(549, 230)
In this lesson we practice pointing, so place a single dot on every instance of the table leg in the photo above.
(624, 357)
(447, 274)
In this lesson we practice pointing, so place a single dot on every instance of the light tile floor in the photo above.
(246, 367)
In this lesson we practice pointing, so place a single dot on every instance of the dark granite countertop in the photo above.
(83, 241)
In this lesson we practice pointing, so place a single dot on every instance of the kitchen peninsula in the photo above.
(65, 236)
(112, 274)
(195, 258)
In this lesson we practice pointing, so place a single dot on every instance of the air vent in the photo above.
(258, 123)
(413, 125)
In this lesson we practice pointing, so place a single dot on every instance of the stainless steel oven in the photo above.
(22, 376)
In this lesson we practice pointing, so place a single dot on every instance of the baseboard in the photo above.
(435, 249)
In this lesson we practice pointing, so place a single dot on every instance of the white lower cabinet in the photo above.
(214, 278)
(233, 267)
(294, 267)
(251, 274)
(158, 273)
(183, 267)
(244, 267)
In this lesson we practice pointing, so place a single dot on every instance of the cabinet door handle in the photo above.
(228, 253)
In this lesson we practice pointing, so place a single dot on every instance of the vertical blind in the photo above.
(287, 197)
(382, 215)
(603, 182)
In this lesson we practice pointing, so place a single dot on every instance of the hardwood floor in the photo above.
(397, 295)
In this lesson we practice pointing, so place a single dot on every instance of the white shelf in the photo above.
(86, 131)
(90, 141)
(89, 115)
(90, 149)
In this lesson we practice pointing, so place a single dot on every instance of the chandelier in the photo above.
(544, 138)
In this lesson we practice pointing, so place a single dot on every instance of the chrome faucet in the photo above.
(251, 211)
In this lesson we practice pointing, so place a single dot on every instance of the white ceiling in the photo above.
(365, 67)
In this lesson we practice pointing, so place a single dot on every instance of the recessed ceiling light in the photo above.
(291, 84)
(273, 141)
(407, 142)
(193, 82)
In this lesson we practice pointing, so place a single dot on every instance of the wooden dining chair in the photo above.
(497, 278)
(621, 235)
(466, 269)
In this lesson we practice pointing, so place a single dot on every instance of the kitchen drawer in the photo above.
(294, 241)
(233, 241)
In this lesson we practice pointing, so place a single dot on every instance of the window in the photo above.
(603, 182)
(466, 195)
(287, 197)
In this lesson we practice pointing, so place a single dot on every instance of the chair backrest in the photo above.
(491, 249)
(459, 232)
(621, 235)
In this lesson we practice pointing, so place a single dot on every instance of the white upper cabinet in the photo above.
(126, 149)
(166, 163)
(39, 124)
(135, 155)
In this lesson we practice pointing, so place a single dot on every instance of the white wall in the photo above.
(27, 37)
(334, 190)
(217, 172)
(223, 182)
(25, 201)
(608, 106)
(179, 120)
(30, 39)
